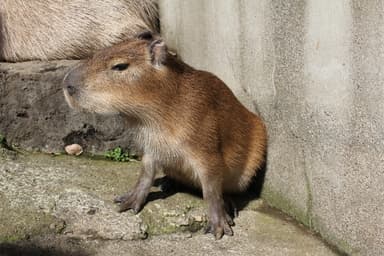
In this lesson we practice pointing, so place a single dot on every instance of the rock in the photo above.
(104, 222)
(61, 205)
(44, 194)
(35, 116)
(74, 149)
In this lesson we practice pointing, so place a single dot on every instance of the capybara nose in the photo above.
(73, 80)
(69, 84)
(71, 90)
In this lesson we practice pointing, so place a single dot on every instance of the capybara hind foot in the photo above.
(220, 227)
(168, 185)
(230, 206)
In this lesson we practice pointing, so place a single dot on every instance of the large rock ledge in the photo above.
(35, 116)
(60, 205)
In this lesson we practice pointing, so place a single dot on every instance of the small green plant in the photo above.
(117, 154)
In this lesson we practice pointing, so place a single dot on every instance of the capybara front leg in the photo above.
(135, 198)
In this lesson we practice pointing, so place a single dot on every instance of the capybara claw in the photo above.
(129, 201)
(219, 230)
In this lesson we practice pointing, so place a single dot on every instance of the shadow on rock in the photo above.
(235, 202)
(7, 249)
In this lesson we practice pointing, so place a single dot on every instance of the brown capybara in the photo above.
(187, 122)
(72, 29)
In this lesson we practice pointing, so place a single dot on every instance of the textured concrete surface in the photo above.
(35, 116)
(314, 70)
(60, 205)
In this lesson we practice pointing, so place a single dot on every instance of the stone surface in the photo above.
(35, 116)
(61, 205)
(314, 70)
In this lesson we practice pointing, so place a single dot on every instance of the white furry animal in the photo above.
(69, 29)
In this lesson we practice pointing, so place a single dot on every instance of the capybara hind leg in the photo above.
(219, 222)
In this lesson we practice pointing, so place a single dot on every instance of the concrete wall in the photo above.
(314, 70)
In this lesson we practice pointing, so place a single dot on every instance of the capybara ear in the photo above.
(158, 51)
(145, 35)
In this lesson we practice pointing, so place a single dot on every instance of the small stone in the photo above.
(198, 218)
(91, 211)
(74, 149)
(171, 213)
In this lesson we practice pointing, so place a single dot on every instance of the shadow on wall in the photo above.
(7, 249)
(255, 188)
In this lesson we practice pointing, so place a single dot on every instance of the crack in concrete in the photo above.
(309, 191)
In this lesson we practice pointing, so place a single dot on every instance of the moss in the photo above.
(161, 225)
(341, 247)
(338, 245)
(24, 223)
(175, 214)
(277, 200)
(103, 177)
(157, 224)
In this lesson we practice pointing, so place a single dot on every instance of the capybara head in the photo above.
(131, 77)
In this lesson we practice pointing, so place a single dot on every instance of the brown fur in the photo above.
(187, 122)
(73, 29)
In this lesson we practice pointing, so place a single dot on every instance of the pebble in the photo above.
(74, 149)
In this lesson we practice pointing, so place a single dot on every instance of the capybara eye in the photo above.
(120, 67)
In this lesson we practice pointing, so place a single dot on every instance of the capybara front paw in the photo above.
(220, 228)
(130, 200)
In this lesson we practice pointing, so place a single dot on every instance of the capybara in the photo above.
(186, 122)
(71, 29)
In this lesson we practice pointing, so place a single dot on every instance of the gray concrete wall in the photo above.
(314, 70)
